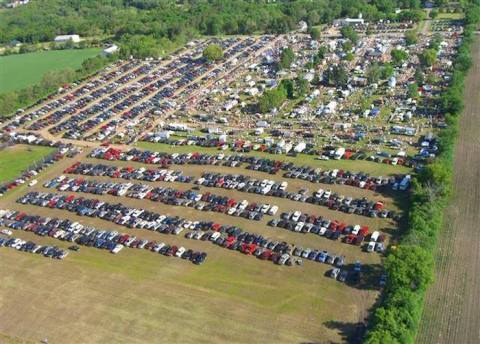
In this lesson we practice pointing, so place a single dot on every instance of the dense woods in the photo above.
(175, 21)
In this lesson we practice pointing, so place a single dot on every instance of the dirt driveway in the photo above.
(452, 309)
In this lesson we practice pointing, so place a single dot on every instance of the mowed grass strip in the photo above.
(15, 159)
(135, 295)
(20, 71)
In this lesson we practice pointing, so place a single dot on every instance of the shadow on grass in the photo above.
(367, 279)
(351, 333)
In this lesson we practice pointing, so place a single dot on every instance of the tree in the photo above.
(302, 86)
(349, 33)
(387, 71)
(374, 73)
(139, 46)
(336, 76)
(286, 58)
(433, 14)
(410, 267)
(347, 46)
(410, 37)
(435, 42)
(289, 88)
(428, 57)
(322, 51)
(413, 90)
(271, 99)
(398, 56)
(213, 52)
(349, 56)
(419, 77)
(315, 33)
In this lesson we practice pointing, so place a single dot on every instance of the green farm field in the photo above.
(15, 159)
(19, 71)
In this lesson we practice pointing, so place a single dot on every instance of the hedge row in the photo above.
(410, 266)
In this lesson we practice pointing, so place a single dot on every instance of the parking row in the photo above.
(256, 245)
(186, 88)
(112, 171)
(168, 196)
(327, 198)
(31, 247)
(299, 222)
(74, 232)
(311, 174)
(240, 240)
(76, 101)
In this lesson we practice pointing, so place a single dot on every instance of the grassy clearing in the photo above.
(15, 159)
(451, 16)
(370, 167)
(19, 71)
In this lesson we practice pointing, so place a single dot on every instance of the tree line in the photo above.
(168, 22)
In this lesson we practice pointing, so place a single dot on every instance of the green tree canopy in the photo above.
(286, 58)
(213, 52)
(336, 76)
(411, 37)
(315, 33)
(428, 57)
(398, 56)
(349, 33)
(271, 99)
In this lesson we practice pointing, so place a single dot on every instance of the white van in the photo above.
(374, 236)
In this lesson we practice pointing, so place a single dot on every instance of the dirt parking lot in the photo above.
(138, 296)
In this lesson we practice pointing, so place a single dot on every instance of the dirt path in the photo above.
(452, 308)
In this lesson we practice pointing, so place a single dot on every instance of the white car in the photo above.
(6, 232)
(371, 246)
(299, 226)
(33, 183)
(180, 251)
(273, 210)
(117, 248)
(356, 229)
(296, 215)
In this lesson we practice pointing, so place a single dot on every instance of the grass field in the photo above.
(450, 16)
(373, 168)
(138, 296)
(15, 159)
(19, 71)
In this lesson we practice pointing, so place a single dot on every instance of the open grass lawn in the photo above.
(138, 296)
(15, 159)
(451, 16)
(373, 168)
(19, 71)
